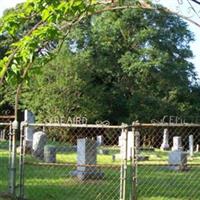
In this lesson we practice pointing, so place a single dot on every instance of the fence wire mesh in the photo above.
(168, 161)
(63, 161)
(73, 163)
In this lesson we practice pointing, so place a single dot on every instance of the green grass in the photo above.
(155, 180)
(56, 183)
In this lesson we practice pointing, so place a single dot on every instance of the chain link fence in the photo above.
(72, 162)
(168, 161)
(66, 161)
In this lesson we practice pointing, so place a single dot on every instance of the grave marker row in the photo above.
(177, 143)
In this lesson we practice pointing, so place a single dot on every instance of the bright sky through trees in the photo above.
(185, 9)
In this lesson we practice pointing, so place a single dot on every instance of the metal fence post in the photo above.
(12, 177)
(133, 193)
(125, 166)
(10, 155)
(21, 161)
(123, 174)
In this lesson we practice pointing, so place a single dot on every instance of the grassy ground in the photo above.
(155, 180)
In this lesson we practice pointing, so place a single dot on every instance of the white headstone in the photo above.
(39, 141)
(99, 140)
(28, 131)
(165, 143)
(130, 144)
(137, 142)
(191, 145)
(120, 140)
(197, 148)
(177, 144)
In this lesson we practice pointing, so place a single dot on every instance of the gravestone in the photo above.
(86, 160)
(177, 157)
(99, 140)
(120, 140)
(49, 154)
(39, 141)
(197, 148)
(103, 151)
(122, 144)
(137, 142)
(165, 143)
(191, 145)
(130, 144)
(2, 134)
(177, 143)
(178, 160)
(28, 131)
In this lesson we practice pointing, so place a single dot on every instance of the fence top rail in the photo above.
(62, 125)
(5, 123)
(7, 117)
(137, 125)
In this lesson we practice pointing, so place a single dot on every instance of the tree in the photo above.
(55, 21)
(56, 18)
(127, 65)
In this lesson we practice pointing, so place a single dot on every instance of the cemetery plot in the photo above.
(69, 161)
(72, 163)
(168, 165)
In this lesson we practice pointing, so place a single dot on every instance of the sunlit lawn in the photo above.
(155, 181)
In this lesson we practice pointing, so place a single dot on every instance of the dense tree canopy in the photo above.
(52, 22)
(54, 18)
(122, 66)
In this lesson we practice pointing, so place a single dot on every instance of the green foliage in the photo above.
(32, 33)
(121, 66)
(54, 20)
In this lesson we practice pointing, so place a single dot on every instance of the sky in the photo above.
(172, 4)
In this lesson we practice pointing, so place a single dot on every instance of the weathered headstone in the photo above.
(177, 157)
(39, 141)
(129, 140)
(86, 160)
(165, 143)
(2, 134)
(120, 140)
(99, 140)
(178, 160)
(130, 144)
(49, 154)
(137, 141)
(197, 148)
(28, 131)
(191, 145)
(103, 151)
(177, 143)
